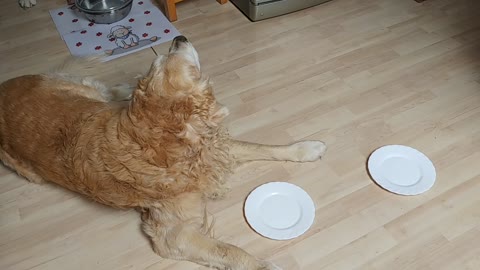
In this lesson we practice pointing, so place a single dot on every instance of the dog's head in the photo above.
(175, 90)
(177, 73)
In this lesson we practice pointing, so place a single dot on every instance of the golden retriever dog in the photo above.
(164, 151)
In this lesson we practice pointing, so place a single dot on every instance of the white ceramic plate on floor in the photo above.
(279, 210)
(401, 169)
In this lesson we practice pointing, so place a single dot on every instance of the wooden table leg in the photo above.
(171, 10)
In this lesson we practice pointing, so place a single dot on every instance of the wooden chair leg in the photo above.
(170, 10)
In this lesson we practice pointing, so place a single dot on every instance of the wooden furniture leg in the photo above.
(171, 10)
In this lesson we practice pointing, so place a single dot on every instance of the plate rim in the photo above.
(427, 166)
(308, 212)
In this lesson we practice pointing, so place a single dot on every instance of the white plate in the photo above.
(401, 169)
(279, 210)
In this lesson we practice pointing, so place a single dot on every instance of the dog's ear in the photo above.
(152, 82)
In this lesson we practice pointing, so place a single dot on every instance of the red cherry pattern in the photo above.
(91, 24)
(75, 20)
(145, 35)
(98, 48)
(83, 32)
(140, 3)
(149, 24)
(146, 12)
(131, 20)
(99, 34)
(78, 44)
(60, 13)
(112, 39)
(166, 31)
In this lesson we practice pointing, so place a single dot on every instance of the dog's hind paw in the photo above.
(27, 3)
(308, 150)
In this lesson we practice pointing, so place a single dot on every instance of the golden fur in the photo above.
(164, 151)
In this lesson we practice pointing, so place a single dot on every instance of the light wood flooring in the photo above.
(356, 74)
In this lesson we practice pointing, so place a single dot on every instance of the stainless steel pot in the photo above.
(104, 11)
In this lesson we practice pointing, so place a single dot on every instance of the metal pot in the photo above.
(104, 11)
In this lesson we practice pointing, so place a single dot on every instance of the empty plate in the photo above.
(401, 169)
(279, 210)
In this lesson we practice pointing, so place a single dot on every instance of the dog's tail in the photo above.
(80, 66)
(87, 71)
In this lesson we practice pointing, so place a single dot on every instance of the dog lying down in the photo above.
(164, 151)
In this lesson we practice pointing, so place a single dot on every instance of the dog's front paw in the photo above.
(27, 3)
(266, 265)
(308, 150)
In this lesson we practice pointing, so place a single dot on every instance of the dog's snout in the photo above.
(180, 39)
(177, 41)
(181, 47)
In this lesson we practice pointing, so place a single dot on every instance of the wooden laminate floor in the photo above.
(356, 74)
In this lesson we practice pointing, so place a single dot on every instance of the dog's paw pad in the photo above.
(309, 150)
(27, 3)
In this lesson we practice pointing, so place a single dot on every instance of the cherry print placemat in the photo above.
(145, 26)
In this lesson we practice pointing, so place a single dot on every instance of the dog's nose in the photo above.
(177, 42)
(180, 39)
